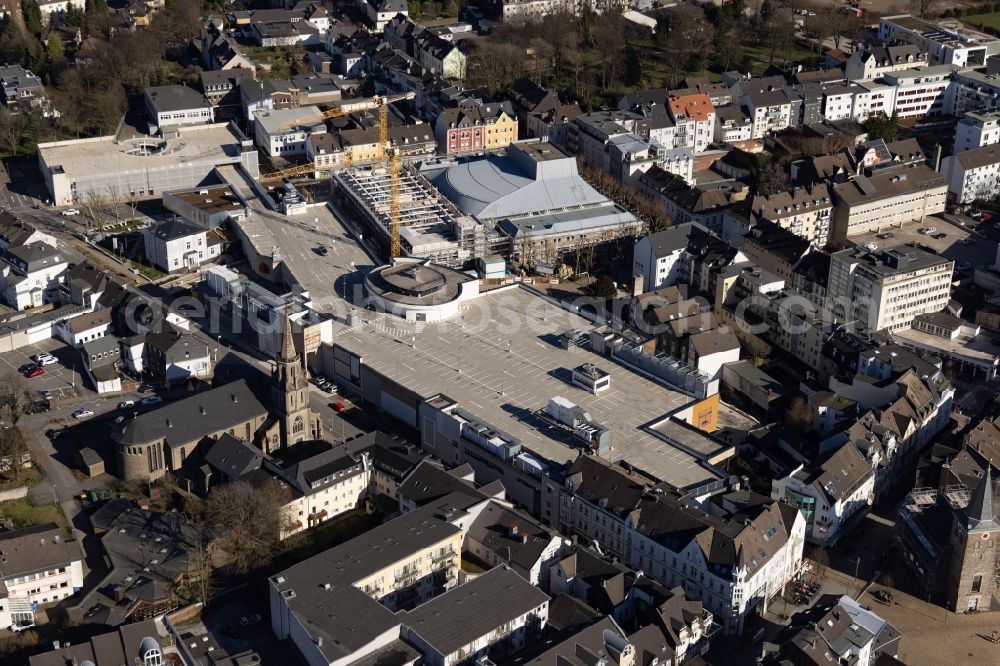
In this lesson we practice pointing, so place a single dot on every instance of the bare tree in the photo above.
(13, 446)
(14, 397)
(93, 204)
(13, 128)
(115, 199)
(248, 521)
(799, 416)
(200, 572)
(923, 7)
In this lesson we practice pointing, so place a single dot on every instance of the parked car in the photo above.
(36, 371)
(338, 407)
(964, 266)
(22, 626)
(884, 236)
(145, 388)
(82, 414)
(46, 394)
(45, 359)
(968, 241)
(70, 212)
(247, 620)
(322, 250)
(151, 400)
(125, 404)
(939, 236)
(27, 367)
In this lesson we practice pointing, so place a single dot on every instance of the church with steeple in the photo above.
(975, 550)
(174, 436)
(290, 396)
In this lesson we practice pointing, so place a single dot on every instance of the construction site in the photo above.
(430, 226)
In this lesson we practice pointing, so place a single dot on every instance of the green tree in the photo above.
(881, 126)
(603, 287)
(32, 14)
(73, 17)
(55, 48)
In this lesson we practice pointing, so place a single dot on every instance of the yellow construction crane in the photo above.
(386, 154)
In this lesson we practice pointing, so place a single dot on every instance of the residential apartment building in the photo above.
(922, 91)
(872, 98)
(943, 46)
(284, 132)
(380, 12)
(439, 55)
(885, 290)
(179, 246)
(476, 128)
(39, 566)
(677, 542)
(976, 130)
(30, 274)
(527, 10)
(396, 585)
(176, 105)
(848, 633)
(828, 493)
(775, 249)
(208, 207)
(694, 121)
(888, 198)
(15, 231)
(657, 257)
(879, 60)
(173, 357)
(769, 111)
(804, 211)
(540, 112)
(19, 86)
(732, 125)
(974, 90)
(838, 101)
(973, 174)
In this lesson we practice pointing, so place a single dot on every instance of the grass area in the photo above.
(149, 272)
(25, 477)
(761, 57)
(991, 20)
(24, 514)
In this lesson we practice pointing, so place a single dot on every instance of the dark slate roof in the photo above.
(470, 611)
(172, 230)
(233, 457)
(675, 238)
(194, 417)
(511, 535)
(429, 482)
(34, 548)
(175, 98)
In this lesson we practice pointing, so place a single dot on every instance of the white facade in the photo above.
(943, 46)
(172, 253)
(973, 174)
(29, 285)
(277, 133)
(52, 572)
(768, 118)
(337, 496)
(976, 130)
(830, 514)
(838, 104)
(658, 263)
(873, 97)
(922, 91)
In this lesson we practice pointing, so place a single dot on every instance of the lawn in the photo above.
(24, 514)
(991, 20)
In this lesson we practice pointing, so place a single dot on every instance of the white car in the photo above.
(22, 626)
(70, 212)
(45, 359)
(125, 404)
(82, 414)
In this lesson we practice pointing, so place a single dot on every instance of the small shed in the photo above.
(90, 462)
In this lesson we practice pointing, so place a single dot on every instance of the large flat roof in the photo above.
(468, 359)
(90, 157)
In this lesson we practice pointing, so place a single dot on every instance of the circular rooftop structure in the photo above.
(417, 290)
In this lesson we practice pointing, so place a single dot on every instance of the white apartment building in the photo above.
(976, 130)
(176, 105)
(974, 90)
(830, 493)
(84, 327)
(838, 101)
(694, 121)
(732, 125)
(943, 46)
(889, 198)
(39, 566)
(178, 246)
(532, 9)
(323, 486)
(630, 154)
(770, 111)
(30, 274)
(879, 60)
(885, 290)
(284, 132)
(872, 97)
(639, 524)
(973, 174)
(657, 257)
(922, 91)
(380, 12)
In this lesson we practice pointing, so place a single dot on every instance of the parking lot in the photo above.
(63, 379)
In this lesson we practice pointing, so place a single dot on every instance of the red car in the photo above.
(35, 372)
(338, 406)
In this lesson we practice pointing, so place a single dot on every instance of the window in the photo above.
(977, 584)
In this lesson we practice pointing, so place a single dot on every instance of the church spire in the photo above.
(980, 509)
(288, 352)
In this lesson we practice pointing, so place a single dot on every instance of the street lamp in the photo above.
(857, 566)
